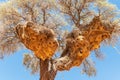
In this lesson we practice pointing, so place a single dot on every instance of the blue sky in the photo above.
(11, 67)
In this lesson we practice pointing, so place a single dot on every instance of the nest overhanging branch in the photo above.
(79, 43)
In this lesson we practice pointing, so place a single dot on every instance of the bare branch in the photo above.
(31, 62)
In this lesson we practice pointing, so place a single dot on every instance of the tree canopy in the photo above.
(67, 30)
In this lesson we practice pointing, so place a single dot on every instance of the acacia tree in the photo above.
(69, 28)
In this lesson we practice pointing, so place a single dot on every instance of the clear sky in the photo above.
(11, 67)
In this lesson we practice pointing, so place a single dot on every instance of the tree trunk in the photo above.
(45, 72)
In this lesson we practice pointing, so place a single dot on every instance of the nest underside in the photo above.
(79, 43)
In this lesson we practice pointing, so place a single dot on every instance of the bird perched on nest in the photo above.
(39, 39)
